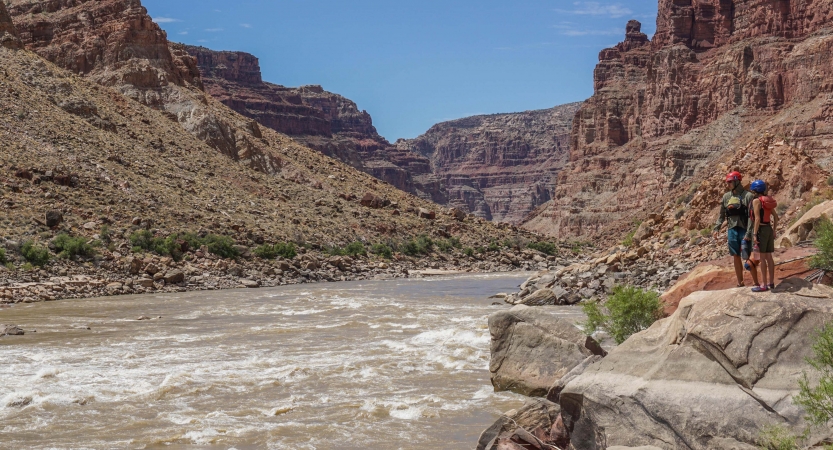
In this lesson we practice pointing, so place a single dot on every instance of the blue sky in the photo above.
(413, 63)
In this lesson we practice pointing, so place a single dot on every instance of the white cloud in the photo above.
(214, 30)
(183, 33)
(614, 11)
(576, 32)
(165, 20)
(246, 25)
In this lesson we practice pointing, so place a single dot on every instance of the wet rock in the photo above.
(11, 330)
(251, 284)
(532, 348)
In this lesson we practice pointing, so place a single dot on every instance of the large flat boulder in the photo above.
(725, 365)
(532, 348)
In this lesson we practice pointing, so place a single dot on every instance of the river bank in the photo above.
(114, 273)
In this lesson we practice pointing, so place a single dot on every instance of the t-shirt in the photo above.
(740, 197)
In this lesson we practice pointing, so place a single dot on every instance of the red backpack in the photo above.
(768, 204)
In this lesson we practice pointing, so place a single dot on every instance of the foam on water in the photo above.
(238, 368)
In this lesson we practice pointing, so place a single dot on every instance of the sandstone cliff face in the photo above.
(116, 44)
(8, 33)
(716, 76)
(501, 166)
(498, 167)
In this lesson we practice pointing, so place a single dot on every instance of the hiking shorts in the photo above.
(766, 239)
(736, 235)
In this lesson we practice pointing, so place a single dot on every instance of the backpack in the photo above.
(768, 204)
(735, 206)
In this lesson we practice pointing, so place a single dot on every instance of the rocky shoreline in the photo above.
(114, 273)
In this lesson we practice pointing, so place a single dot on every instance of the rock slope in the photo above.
(715, 78)
(124, 136)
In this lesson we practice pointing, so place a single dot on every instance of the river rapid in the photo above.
(397, 364)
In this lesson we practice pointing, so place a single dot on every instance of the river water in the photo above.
(399, 364)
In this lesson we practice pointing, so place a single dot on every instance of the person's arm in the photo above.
(720, 217)
(775, 220)
(756, 205)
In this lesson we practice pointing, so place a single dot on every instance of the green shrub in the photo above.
(444, 246)
(222, 246)
(817, 400)
(544, 247)
(355, 249)
(105, 234)
(382, 250)
(628, 310)
(830, 181)
(493, 247)
(69, 247)
(422, 245)
(142, 239)
(27, 267)
(824, 243)
(777, 437)
(266, 251)
(455, 242)
(468, 251)
(628, 241)
(286, 250)
(34, 254)
(3, 259)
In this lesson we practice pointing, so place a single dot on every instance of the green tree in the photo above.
(817, 399)
(824, 243)
(628, 310)
(34, 254)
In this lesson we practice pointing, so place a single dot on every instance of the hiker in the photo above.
(765, 220)
(734, 210)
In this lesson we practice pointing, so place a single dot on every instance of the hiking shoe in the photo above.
(772, 286)
(760, 289)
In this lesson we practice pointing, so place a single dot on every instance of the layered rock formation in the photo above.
(715, 77)
(501, 166)
(327, 122)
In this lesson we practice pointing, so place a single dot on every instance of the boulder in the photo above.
(54, 218)
(724, 366)
(531, 424)
(11, 330)
(174, 277)
(803, 228)
(532, 348)
(426, 214)
(251, 284)
(371, 200)
(458, 214)
(541, 297)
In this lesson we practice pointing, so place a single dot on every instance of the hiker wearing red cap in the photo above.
(765, 219)
(734, 210)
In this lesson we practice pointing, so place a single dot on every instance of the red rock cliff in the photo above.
(8, 32)
(500, 166)
(716, 76)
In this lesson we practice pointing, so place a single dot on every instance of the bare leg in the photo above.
(739, 270)
(771, 264)
(764, 269)
(754, 270)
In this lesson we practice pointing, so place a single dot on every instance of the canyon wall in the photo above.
(665, 113)
(499, 167)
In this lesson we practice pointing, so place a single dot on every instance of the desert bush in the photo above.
(265, 251)
(3, 259)
(34, 254)
(382, 250)
(824, 243)
(286, 250)
(422, 245)
(777, 437)
(105, 235)
(222, 246)
(817, 398)
(628, 310)
(69, 247)
(493, 247)
(468, 251)
(544, 247)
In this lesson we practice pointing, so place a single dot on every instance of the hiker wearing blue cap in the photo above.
(765, 219)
